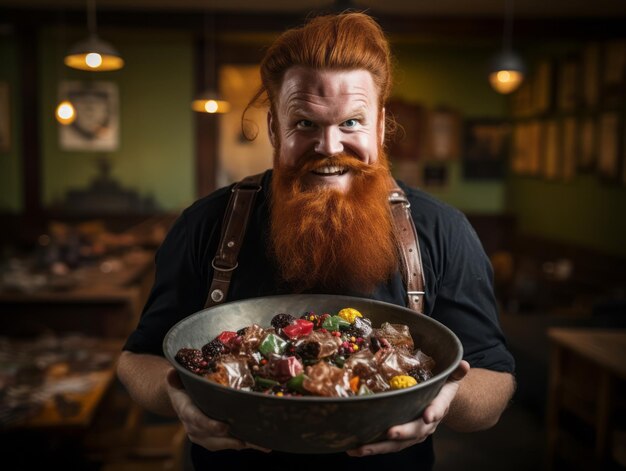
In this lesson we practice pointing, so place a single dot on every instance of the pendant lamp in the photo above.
(64, 113)
(93, 53)
(209, 101)
(507, 69)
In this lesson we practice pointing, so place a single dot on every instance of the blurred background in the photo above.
(513, 112)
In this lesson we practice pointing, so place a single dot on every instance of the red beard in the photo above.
(328, 240)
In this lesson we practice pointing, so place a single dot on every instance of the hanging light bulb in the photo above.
(93, 53)
(209, 101)
(65, 112)
(507, 69)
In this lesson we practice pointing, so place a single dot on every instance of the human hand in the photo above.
(405, 435)
(201, 430)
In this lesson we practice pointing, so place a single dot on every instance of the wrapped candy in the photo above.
(323, 379)
(272, 344)
(393, 362)
(282, 369)
(232, 371)
(318, 345)
(251, 339)
(398, 335)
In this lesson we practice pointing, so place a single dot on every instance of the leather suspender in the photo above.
(408, 246)
(233, 231)
(236, 220)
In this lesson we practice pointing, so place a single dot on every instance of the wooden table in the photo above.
(86, 402)
(586, 365)
(106, 300)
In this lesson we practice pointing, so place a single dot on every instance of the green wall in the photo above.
(156, 152)
(11, 162)
(435, 74)
(585, 211)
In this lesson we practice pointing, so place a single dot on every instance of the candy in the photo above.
(335, 323)
(299, 328)
(325, 355)
(349, 314)
(272, 344)
(402, 381)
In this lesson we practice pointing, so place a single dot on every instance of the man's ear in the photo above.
(270, 128)
(381, 126)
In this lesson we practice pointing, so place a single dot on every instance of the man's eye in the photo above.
(350, 123)
(304, 123)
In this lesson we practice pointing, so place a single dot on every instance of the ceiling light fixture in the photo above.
(93, 53)
(507, 69)
(64, 113)
(209, 101)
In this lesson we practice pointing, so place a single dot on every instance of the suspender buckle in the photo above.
(215, 267)
(398, 197)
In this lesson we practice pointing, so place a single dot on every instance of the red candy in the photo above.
(226, 336)
(300, 328)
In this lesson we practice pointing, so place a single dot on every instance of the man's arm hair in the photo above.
(144, 377)
(482, 397)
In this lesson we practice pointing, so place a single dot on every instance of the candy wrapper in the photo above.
(325, 355)
(232, 371)
(397, 335)
(323, 379)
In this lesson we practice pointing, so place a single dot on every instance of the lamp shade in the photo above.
(210, 102)
(94, 54)
(506, 72)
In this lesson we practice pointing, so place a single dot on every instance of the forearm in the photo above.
(482, 397)
(144, 377)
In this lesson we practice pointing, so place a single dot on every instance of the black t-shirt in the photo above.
(459, 294)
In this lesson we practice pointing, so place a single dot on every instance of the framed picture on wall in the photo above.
(569, 152)
(569, 75)
(409, 139)
(614, 73)
(5, 118)
(443, 135)
(590, 75)
(587, 136)
(552, 167)
(542, 87)
(96, 127)
(435, 175)
(486, 147)
(609, 146)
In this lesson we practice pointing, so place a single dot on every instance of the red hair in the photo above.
(346, 41)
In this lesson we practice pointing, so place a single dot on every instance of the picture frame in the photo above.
(587, 145)
(552, 166)
(614, 73)
(590, 73)
(486, 147)
(542, 93)
(5, 117)
(96, 127)
(568, 89)
(435, 175)
(408, 141)
(608, 165)
(569, 153)
(443, 135)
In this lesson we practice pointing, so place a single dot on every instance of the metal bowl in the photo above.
(310, 424)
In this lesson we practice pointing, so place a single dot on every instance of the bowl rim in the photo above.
(379, 395)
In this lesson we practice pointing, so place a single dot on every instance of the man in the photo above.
(322, 224)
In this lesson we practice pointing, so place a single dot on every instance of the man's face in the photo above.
(323, 114)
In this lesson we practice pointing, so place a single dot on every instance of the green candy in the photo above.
(364, 391)
(272, 344)
(334, 323)
(295, 383)
(265, 383)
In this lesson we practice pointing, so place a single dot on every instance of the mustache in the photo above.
(314, 161)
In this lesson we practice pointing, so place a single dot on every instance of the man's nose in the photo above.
(329, 142)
